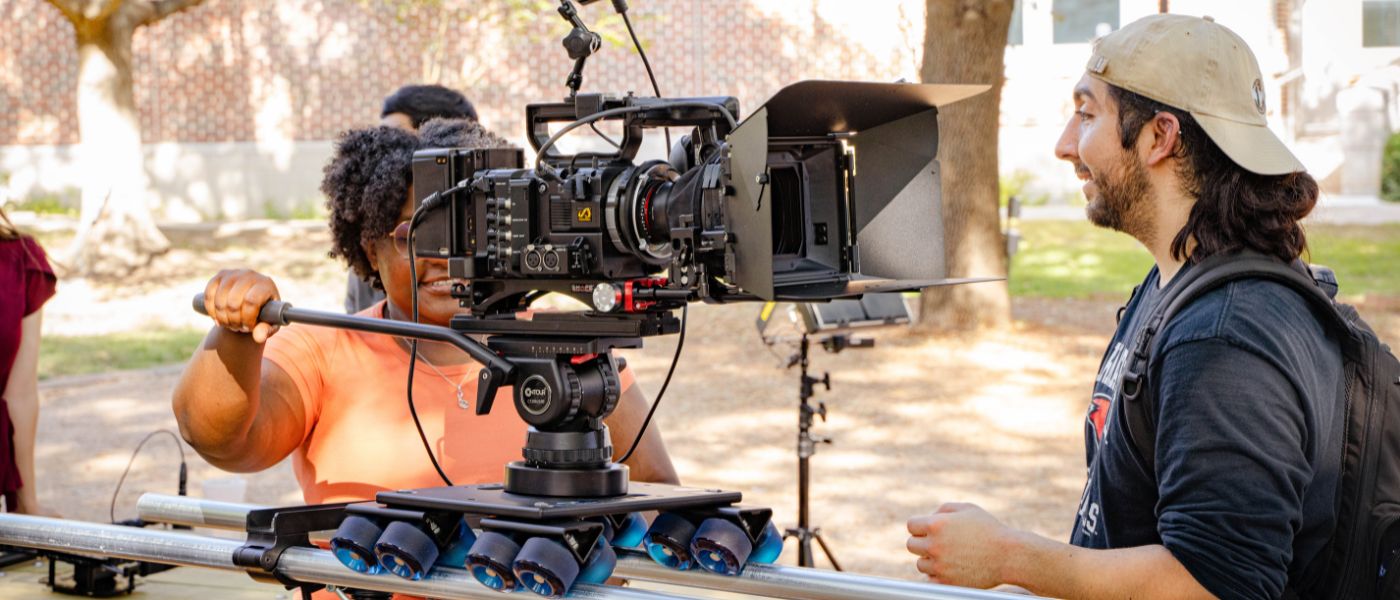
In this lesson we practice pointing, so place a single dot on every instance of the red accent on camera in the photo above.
(630, 303)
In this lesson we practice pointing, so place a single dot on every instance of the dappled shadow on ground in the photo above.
(995, 420)
(87, 432)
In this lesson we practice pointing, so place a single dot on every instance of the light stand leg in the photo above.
(817, 533)
(806, 447)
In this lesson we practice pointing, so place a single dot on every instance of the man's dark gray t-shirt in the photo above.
(1248, 418)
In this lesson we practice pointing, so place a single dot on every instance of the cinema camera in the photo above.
(829, 190)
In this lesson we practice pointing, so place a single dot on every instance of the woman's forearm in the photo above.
(22, 397)
(217, 397)
(24, 414)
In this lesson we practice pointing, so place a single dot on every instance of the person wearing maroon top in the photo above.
(27, 282)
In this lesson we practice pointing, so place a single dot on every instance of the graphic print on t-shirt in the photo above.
(1098, 419)
(1106, 390)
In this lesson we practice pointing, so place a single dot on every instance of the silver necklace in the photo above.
(461, 396)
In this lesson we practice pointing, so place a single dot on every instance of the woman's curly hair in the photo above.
(368, 179)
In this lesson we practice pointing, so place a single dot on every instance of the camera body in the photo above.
(829, 190)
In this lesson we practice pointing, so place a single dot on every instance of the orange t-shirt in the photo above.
(360, 438)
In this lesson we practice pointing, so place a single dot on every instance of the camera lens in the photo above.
(638, 212)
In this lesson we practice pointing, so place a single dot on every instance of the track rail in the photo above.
(773, 581)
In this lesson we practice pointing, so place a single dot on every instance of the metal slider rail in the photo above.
(774, 581)
(308, 565)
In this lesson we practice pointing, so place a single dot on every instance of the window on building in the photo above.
(1016, 36)
(1380, 23)
(1080, 21)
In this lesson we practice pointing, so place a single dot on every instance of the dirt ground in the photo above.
(995, 419)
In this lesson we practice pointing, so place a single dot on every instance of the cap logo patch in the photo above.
(1259, 96)
(1098, 64)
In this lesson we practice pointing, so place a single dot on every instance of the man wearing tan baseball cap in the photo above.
(1170, 138)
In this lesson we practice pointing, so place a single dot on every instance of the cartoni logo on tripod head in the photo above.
(535, 395)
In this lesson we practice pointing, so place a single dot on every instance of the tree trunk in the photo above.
(964, 42)
(116, 232)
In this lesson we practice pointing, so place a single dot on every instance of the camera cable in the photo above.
(544, 169)
(184, 469)
(680, 343)
(430, 203)
(621, 6)
(607, 139)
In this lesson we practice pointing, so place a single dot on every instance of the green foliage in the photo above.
(47, 204)
(1073, 259)
(304, 210)
(1015, 184)
(79, 355)
(1390, 170)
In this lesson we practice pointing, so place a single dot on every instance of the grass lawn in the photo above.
(1073, 259)
(80, 355)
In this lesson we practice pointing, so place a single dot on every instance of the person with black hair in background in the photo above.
(27, 282)
(413, 105)
(407, 108)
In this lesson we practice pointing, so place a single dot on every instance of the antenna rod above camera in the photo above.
(580, 43)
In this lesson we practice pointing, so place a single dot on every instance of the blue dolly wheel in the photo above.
(600, 564)
(631, 532)
(668, 541)
(406, 551)
(546, 567)
(455, 554)
(770, 545)
(721, 547)
(490, 560)
(353, 544)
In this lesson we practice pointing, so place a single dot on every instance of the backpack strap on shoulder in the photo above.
(1211, 273)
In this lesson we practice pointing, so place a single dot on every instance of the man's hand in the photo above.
(960, 544)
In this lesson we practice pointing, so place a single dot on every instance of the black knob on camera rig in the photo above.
(580, 44)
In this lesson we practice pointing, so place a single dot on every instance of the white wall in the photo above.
(191, 182)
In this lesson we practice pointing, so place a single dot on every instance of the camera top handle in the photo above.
(496, 371)
(712, 116)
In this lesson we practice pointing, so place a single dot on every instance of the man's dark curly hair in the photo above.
(1235, 209)
(368, 179)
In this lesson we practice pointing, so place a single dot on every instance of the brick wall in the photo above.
(265, 70)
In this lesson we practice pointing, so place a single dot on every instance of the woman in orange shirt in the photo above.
(334, 399)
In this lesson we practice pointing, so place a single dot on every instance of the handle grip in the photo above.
(496, 372)
(273, 312)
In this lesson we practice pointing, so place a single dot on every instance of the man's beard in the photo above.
(1123, 200)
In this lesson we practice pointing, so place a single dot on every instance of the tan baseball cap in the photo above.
(1203, 68)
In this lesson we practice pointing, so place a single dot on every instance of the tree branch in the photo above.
(146, 12)
(70, 9)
